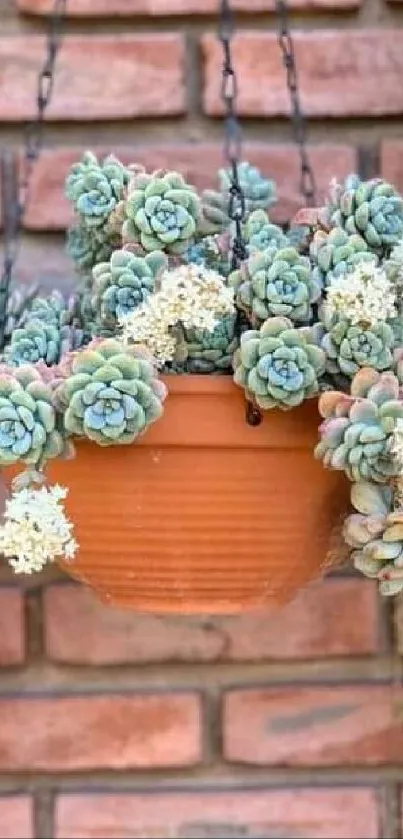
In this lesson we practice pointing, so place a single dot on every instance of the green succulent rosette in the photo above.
(276, 283)
(350, 347)
(112, 394)
(123, 283)
(212, 252)
(278, 365)
(95, 188)
(375, 533)
(28, 420)
(41, 341)
(336, 252)
(373, 209)
(87, 246)
(357, 433)
(261, 234)
(163, 212)
(205, 352)
(259, 192)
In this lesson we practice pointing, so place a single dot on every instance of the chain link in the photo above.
(32, 149)
(233, 133)
(307, 179)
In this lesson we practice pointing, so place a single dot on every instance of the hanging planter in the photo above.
(205, 513)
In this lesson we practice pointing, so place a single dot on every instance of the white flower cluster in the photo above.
(364, 296)
(396, 448)
(190, 296)
(35, 529)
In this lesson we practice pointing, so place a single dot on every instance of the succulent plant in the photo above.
(19, 304)
(211, 252)
(41, 341)
(259, 192)
(279, 365)
(349, 346)
(162, 212)
(206, 352)
(112, 395)
(375, 532)
(358, 430)
(373, 209)
(261, 234)
(275, 282)
(96, 188)
(54, 309)
(28, 421)
(124, 282)
(335, 252)
(87, 245)
(214, 208)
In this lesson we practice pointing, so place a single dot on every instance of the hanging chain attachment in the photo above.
(32, 149)
(233, 133)
(307, 178)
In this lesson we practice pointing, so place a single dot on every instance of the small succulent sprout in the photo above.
(112, 394)
(214, 210)
(212, 252)
(261, 234)
(163, 212)
(28, 419)
(123, 283)
(95, 188)
(87, 246)
(259, 192)
(357, 434)
(19, 304)
(54, 309)
(373, 209)
(336, 252)
(375, 533)
(35, 341)
(209, 352)
(350, 347)
(275, 283)
(279, 365)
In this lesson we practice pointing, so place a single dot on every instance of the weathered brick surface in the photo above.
(16, 817)
(350, 73)
(391, 162)
(108, 77)
(307, 628)
(314, 726)
(62, 733)
(314, 814)
(49, 209)
(126, 8)
(12, 627)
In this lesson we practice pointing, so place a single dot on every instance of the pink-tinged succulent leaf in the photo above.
(328, 402)
(370, 499)
(333, 430)
(344, 405)
(393, 533)
(363, 381)
(385, 390)
(363, 411)
(366, 564)
(355, 531)
(381, 550)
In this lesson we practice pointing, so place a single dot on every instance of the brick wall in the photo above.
(124, 726)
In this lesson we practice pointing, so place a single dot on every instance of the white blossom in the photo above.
(396, 447)
(35, 530)
(190, 296)
(362, 296)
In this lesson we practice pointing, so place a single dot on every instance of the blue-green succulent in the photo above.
(112, 394)
(124, 282)
(336, 252)
(211, 252)
(372, 209)
(88, 245)
(38, 340)
(259, 192)
(163, 212)
(206, 352)
(279, 365)
(260, 233)
(349, 346)
(95, 188)
(276, 283)
(28, 420)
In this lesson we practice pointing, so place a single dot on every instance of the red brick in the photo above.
(340, 73)
(307, 628)
(50, 210)
(399, 623)
(314, 814)
(98, 77)
(79, 732)
(127, 8)
(12, 627)
(315, 726)
(391, 162)
(16, 817)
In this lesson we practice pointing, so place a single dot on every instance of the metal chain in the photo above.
(32, 149)
(307, 180)
(233, 133)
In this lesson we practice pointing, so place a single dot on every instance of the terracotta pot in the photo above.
(206, 513)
